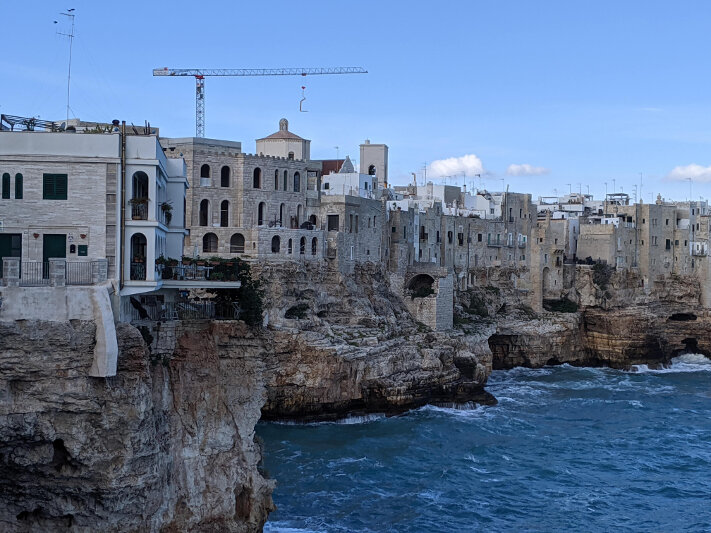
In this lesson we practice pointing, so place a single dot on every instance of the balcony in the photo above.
(53, 273)
(139, 208)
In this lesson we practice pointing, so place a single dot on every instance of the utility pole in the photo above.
(69, 14)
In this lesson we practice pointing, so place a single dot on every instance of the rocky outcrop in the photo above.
(167, 444)
(620, 323)
(346, 344)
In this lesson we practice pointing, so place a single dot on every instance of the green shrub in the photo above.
(602, 273)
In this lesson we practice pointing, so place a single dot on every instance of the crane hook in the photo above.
(301, 102)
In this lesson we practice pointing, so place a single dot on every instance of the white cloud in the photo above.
(526, 170)
(469, 164)
(695, 172)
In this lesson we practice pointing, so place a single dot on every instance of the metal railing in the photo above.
(34, 273)
(139, 211)
(138, 271)
(80, 273)
(184, 310)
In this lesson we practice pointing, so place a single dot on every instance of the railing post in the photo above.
(100, 271)
(57, 272)
(11, 271)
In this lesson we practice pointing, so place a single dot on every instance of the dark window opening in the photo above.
(257, 178)
(225, 176)
(224, 214)
(205, 171)
(209, 243)
(54, 187)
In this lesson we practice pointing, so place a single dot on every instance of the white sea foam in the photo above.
(688, 362)
(279, 527)
(361, 419)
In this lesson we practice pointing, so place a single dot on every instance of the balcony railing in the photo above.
(197, 272)
(138, 271)
(34, 273)
(184, 310)
(139, 211)
(80, 273)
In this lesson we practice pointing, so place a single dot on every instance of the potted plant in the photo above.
(167, 209)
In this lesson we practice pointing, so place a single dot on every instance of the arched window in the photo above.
(302, 246)
(276, 180)
(371, 170)
(138, 256)
(6, 186)
(224, 213)
(205, 171)
(291, 155)
(257, 178)
(286, 180)
(298, 215)
(289, 247)
(209, 243)
(237, 244)
(276, 244)
(449, 237)
(297, 182)
(312, 220)
(225, 176)
(314, 244)
(18, 186)
(261, 214)
(204, 212)
(139, 198)
(281, 215)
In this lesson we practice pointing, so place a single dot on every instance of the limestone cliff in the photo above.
(167, 444)
(346, 344)
(618, 323)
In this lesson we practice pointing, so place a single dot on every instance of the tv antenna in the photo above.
(69, 14)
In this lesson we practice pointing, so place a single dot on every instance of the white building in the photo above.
(349, 182)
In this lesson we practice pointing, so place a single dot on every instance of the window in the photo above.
(479, 237)
(668, 245)
(314, 245)
(204, 208)
(281, 215)
(356, 225)
(297, 182)
(371, 170)
(257, 178)
(276, 180)
(291, 155)
(276, 244)
(54, 186)
(224, 214)
(326, 186)
(18, 186)
(237, 244)
(209, 242)
(286, 180)
(394, 229)
(350, 223)
(332, 222)
(302, 246)
(460, 239)
(290, 246)
(449, 237)
(205, 171)
(261, 214)
(667, 222)
(225, 176)
(6, 186)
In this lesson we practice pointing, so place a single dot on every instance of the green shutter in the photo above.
(54, 186)
(18, 186)
(6, 185)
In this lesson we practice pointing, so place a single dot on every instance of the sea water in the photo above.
(565, 449)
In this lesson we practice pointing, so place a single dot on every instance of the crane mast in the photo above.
(200, 74)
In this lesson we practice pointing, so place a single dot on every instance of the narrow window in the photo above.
(6, 186)
(18, 186)
(209, 243)
(261, 214)
(291, 155)
(350, 223)
(205, 171)
(225, 176)
(224, 214)
(302, 246)
(289, 248)
(276, 244)
(204, 208)
(297, 182)
(314, 245)
(276, 180)
(332, 222)
(286, 180)
(257, 178)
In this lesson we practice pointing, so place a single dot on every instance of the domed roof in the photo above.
(283, 133)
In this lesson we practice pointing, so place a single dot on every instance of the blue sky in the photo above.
(570, 92)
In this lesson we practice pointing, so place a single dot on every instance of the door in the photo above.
(10, 246)
(54, 246)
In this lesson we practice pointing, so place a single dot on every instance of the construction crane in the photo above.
(200, 74)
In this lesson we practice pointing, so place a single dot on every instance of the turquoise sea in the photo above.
(565, 449)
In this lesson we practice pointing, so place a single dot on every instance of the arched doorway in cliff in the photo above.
(421, 285)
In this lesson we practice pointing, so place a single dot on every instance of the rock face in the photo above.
(345, 345)
(165, 445)
(620, 325)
